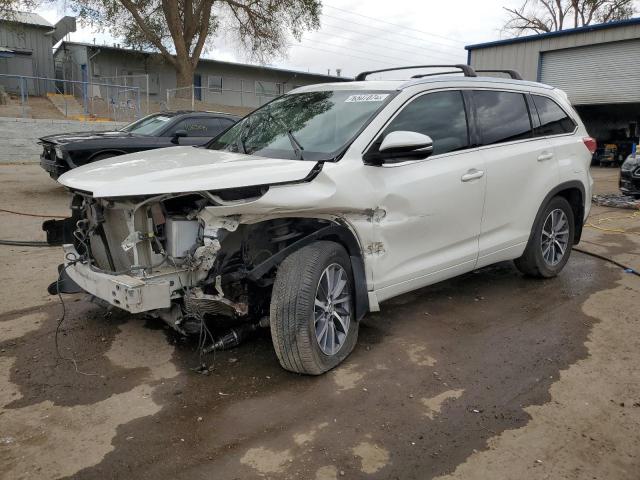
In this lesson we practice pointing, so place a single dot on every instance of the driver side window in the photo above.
(440, 115)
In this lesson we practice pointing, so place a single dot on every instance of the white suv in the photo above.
(320, 205)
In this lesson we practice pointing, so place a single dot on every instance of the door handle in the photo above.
(545, 156)
(472, 174)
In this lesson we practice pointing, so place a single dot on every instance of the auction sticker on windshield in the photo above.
(369, 97)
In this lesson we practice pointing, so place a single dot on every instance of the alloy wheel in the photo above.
(332, 309)
(555, 237)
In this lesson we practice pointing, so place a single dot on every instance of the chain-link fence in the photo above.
(42, 97)
(147, 85)
(231, 95)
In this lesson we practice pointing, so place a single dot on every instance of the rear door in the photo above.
(520, 169)
(558, 128)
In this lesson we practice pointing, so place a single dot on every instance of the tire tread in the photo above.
(293, 290)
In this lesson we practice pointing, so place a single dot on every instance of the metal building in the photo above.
(217, 83)
(26, 48)
(598, 66)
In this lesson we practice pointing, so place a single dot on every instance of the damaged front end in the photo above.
(175, 257)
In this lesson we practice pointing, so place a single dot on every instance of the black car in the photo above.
(65, 151)
(630, 176)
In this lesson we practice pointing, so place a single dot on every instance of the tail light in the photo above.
(591, 144)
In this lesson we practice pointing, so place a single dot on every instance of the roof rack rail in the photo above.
(422, 75)
(512, 73)
(466, 69)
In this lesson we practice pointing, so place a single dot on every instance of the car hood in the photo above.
(64, 138)
(180, 170)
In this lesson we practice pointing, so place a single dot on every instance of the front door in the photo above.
(432, 208)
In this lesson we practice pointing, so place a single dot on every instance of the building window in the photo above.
(214, 83)
(268, 88)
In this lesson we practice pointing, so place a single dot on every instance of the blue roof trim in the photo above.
(569, 31)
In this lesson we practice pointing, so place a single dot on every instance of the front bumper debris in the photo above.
(130, 293)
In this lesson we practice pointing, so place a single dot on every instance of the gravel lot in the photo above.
(489, 376)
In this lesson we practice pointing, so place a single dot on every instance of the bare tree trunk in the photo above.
(184, 78)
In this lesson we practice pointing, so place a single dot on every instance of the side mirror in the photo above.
(178, 134)
(405, 145)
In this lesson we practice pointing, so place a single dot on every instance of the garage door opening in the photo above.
(616, 127)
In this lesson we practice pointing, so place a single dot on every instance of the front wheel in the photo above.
(102, 156)
(549, 246)
(313, 326)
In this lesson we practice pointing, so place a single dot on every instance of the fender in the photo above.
(579, 222)
(336, 233)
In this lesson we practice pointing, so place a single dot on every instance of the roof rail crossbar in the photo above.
(512, 73)
(422, 75)
(466, 69)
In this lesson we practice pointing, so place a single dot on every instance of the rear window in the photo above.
(502, 116)
(553, 119)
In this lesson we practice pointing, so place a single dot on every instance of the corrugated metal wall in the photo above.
(595, 74)
(30, 38)
(525, 56)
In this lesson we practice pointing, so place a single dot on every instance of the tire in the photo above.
(102, 156)
(294, 313)
(533, 261)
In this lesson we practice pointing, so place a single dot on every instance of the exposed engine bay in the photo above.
(171, 257)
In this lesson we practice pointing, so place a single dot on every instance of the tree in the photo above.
(180, 30)
(8, 8)
(541, 16)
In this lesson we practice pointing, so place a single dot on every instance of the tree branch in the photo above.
(150, 34)
(205, 23)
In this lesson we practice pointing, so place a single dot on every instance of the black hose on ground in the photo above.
(606, 259)
(29, 214)
(24, 243)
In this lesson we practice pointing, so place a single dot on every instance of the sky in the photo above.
(357, 35)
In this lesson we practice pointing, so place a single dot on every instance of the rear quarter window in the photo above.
(553, 119)
(502, 116)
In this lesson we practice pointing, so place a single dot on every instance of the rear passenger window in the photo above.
(553, 120)
(441, 115)
(502, 116)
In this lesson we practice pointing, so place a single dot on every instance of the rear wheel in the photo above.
(550, 244)
(313, 325)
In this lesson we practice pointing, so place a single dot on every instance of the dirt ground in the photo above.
(490, 376)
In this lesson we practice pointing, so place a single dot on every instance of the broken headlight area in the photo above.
(174, 258)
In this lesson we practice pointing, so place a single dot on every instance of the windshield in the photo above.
(150, 125)
(304, 126)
